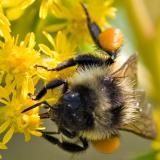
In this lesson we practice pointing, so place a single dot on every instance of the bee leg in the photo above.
(68, 133)
(81, 60)
(36, 105)
(70, 147)
(92, 26)
(95, 32)
(51, 85)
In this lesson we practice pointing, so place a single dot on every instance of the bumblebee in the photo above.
(97, 101)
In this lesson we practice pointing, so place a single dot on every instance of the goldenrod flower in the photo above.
(100, 9)
(14, 100)
(18, 76)
(73, 16)
(14, 9)
(4, 26)
(62, 50)
(44, 8)
(18, 59)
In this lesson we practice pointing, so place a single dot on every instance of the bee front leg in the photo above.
(45, 103)
(70, 147)
(51, 85)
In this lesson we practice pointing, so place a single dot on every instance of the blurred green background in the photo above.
(139, 20)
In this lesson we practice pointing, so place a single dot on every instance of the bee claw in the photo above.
(36, 66)
(40, 66)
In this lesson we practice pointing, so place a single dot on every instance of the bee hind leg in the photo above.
(95, 31)
(92, 27)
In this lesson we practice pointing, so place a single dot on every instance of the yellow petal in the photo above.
(22, 4)
(49, 37)
(30, 40)
(41, 128)
(26, 3)
(3, 146)
(44, 9)
(5, 21)
(0, 156)
(4, 27)
(59, 10)
(14, 13)
(27, 136)
(55, 27)
(4, 126)
(1, 9)
(60, 41)
(28, 87)
(8, 135)
(46, 50)
(36, 133)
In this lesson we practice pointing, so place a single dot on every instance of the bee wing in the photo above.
(144, 125)
(128, 69)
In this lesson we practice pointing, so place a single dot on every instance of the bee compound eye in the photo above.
(71, 100)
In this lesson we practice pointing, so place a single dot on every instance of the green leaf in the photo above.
(147, 156)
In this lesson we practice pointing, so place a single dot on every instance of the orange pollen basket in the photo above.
(111, 39)
(107, 145)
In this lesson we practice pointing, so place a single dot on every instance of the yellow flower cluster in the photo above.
(73, 18)
(56, 55)
(16, 70)
(14, 9)
(66, 15)
(19, 54)
(13, 101)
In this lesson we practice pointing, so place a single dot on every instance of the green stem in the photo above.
(145, 33)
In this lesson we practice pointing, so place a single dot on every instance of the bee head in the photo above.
(72, 112)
